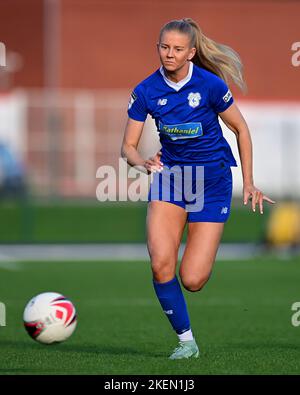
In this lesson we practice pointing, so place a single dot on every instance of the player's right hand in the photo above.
(154, 163)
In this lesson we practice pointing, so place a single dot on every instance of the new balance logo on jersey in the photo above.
(162, 102)
(224, 210)
(168, 312)
(228, 96)
(194, 99)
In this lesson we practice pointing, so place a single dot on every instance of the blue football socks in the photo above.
(173, 303)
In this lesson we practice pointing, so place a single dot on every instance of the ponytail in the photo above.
(217, 58)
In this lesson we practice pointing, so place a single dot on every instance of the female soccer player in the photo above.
(185, 96)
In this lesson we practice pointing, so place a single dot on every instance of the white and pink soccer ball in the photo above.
(50, 318)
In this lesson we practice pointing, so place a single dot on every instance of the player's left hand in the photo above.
(252, 193)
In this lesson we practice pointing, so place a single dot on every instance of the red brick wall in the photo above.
(21, 30)
(111, 44)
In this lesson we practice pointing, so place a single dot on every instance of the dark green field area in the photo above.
(241, 320)
(31, 222)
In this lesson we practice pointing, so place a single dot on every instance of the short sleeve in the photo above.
(137, 108)
(220, 95)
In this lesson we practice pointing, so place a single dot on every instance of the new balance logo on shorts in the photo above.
(224, 210)
(168, 312)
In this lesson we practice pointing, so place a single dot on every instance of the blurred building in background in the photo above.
(71, 65)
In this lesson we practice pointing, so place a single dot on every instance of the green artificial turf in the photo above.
(82, 222)
(241, 320)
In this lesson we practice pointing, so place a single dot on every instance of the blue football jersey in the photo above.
(186, 115)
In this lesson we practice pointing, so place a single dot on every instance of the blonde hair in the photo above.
(218, 58)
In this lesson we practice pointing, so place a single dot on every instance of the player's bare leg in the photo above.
(200, 252)
(195, 269)
(165, 225)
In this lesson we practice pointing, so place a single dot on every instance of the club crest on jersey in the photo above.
(132, 99)
(194, 99)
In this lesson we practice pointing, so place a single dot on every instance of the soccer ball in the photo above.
(50, 318)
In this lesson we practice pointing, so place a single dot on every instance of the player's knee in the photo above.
(163, 268)
(193, 284)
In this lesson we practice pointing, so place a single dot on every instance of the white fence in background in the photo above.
(63, 138)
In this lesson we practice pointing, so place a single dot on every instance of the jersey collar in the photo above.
(178, 85)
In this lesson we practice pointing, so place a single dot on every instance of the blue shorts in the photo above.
(204, 192)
